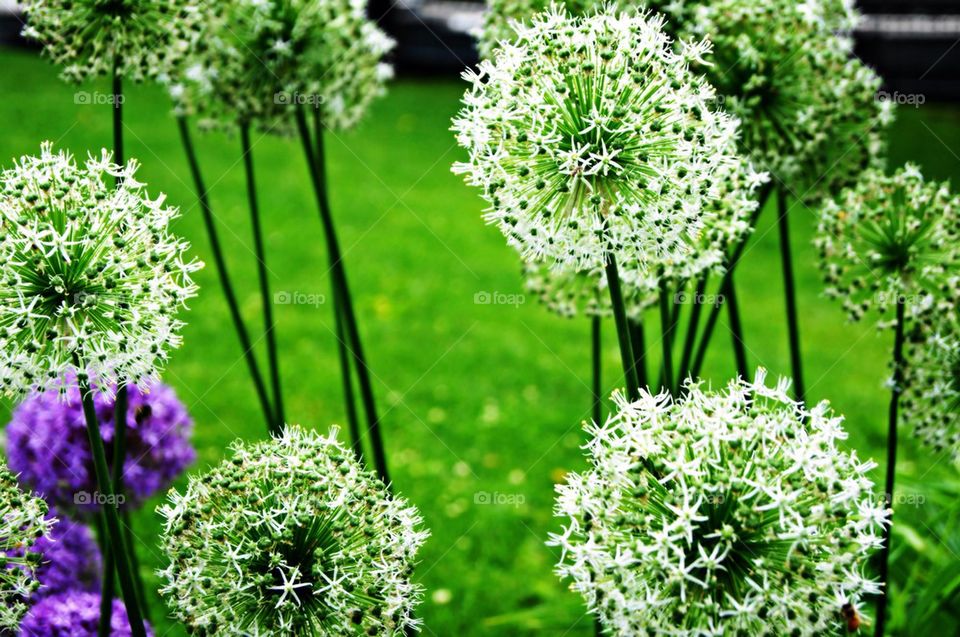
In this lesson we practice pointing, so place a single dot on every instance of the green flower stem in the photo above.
(692, 325)
(596, 364)
(736, 330)
(793, 326)
(638, 341)
(117, 118)
(623, 327)
(117, 545)
(666, 327)
(224, 275)
(135, 561)
(349, 401)
(269, 325)
(732, 262)
(895, 392)
(341, 291)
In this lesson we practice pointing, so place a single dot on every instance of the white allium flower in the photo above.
(23, 520)
(889, 237)
(142, 38)
(569, 292)
(931, 388)
(589, 134)
(89, 273)
(291, 537)
(731, 512)
(260, 60)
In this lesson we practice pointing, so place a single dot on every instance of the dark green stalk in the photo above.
(117, 119)
(341, 290)
(269, 325)
(224, 275)
(736, 330)
(110, 509)
(135, 562)
(596, 364)
(666, 327)
(793, 324)
(349, 401)
(638, 341)
(898, 370)
(732, 261)
(623, 328)
(692, 326)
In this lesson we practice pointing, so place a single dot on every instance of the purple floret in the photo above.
(70, 560)
(47, 445)
(73, 615)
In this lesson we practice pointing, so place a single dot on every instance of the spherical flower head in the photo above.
(807, 106)
(931, 388)
(47, 445)
(74, 614)
(589, 136)
(89, 38)
(569, 292)
(23, 521)
(730, 512)
(291, 537)
(260, 61)
(892, 238)
(68, 559)
(90, 273)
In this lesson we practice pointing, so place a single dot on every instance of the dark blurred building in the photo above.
(914, 44)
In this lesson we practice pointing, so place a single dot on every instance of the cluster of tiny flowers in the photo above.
(23, 521)
(259, 61)
(892, 238)
(808, 107)
(569, 292)
(70, 559)
(931, 388)
(137, 38)
(291, 537)
(75, 614)
(48, 445)
(89, 273)
(590, 135)
(729, 512)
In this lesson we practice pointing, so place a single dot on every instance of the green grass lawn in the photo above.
(475, 398)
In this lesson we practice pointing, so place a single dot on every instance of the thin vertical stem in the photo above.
(135, 562)
(348, 397)
(266, 300)
(666, 327)
(793, 325)
(638, 341)
(224, 276)
(341, 290)
(896, 390)
(110, 510)
(596, 360)
(736, 330)
(692, 326)
(117, 98)
(623, 328)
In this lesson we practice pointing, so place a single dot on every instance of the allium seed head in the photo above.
(141, 38)
(590, 134)
(23, 521)
(730, 512)
(259, 61)
(291, 537)
(89, 272)
(892, 237)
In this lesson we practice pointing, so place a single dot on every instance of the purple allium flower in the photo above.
(70, 560)
(73, 614)
(47, 445)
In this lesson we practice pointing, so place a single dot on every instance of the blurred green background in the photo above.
(476, 398)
